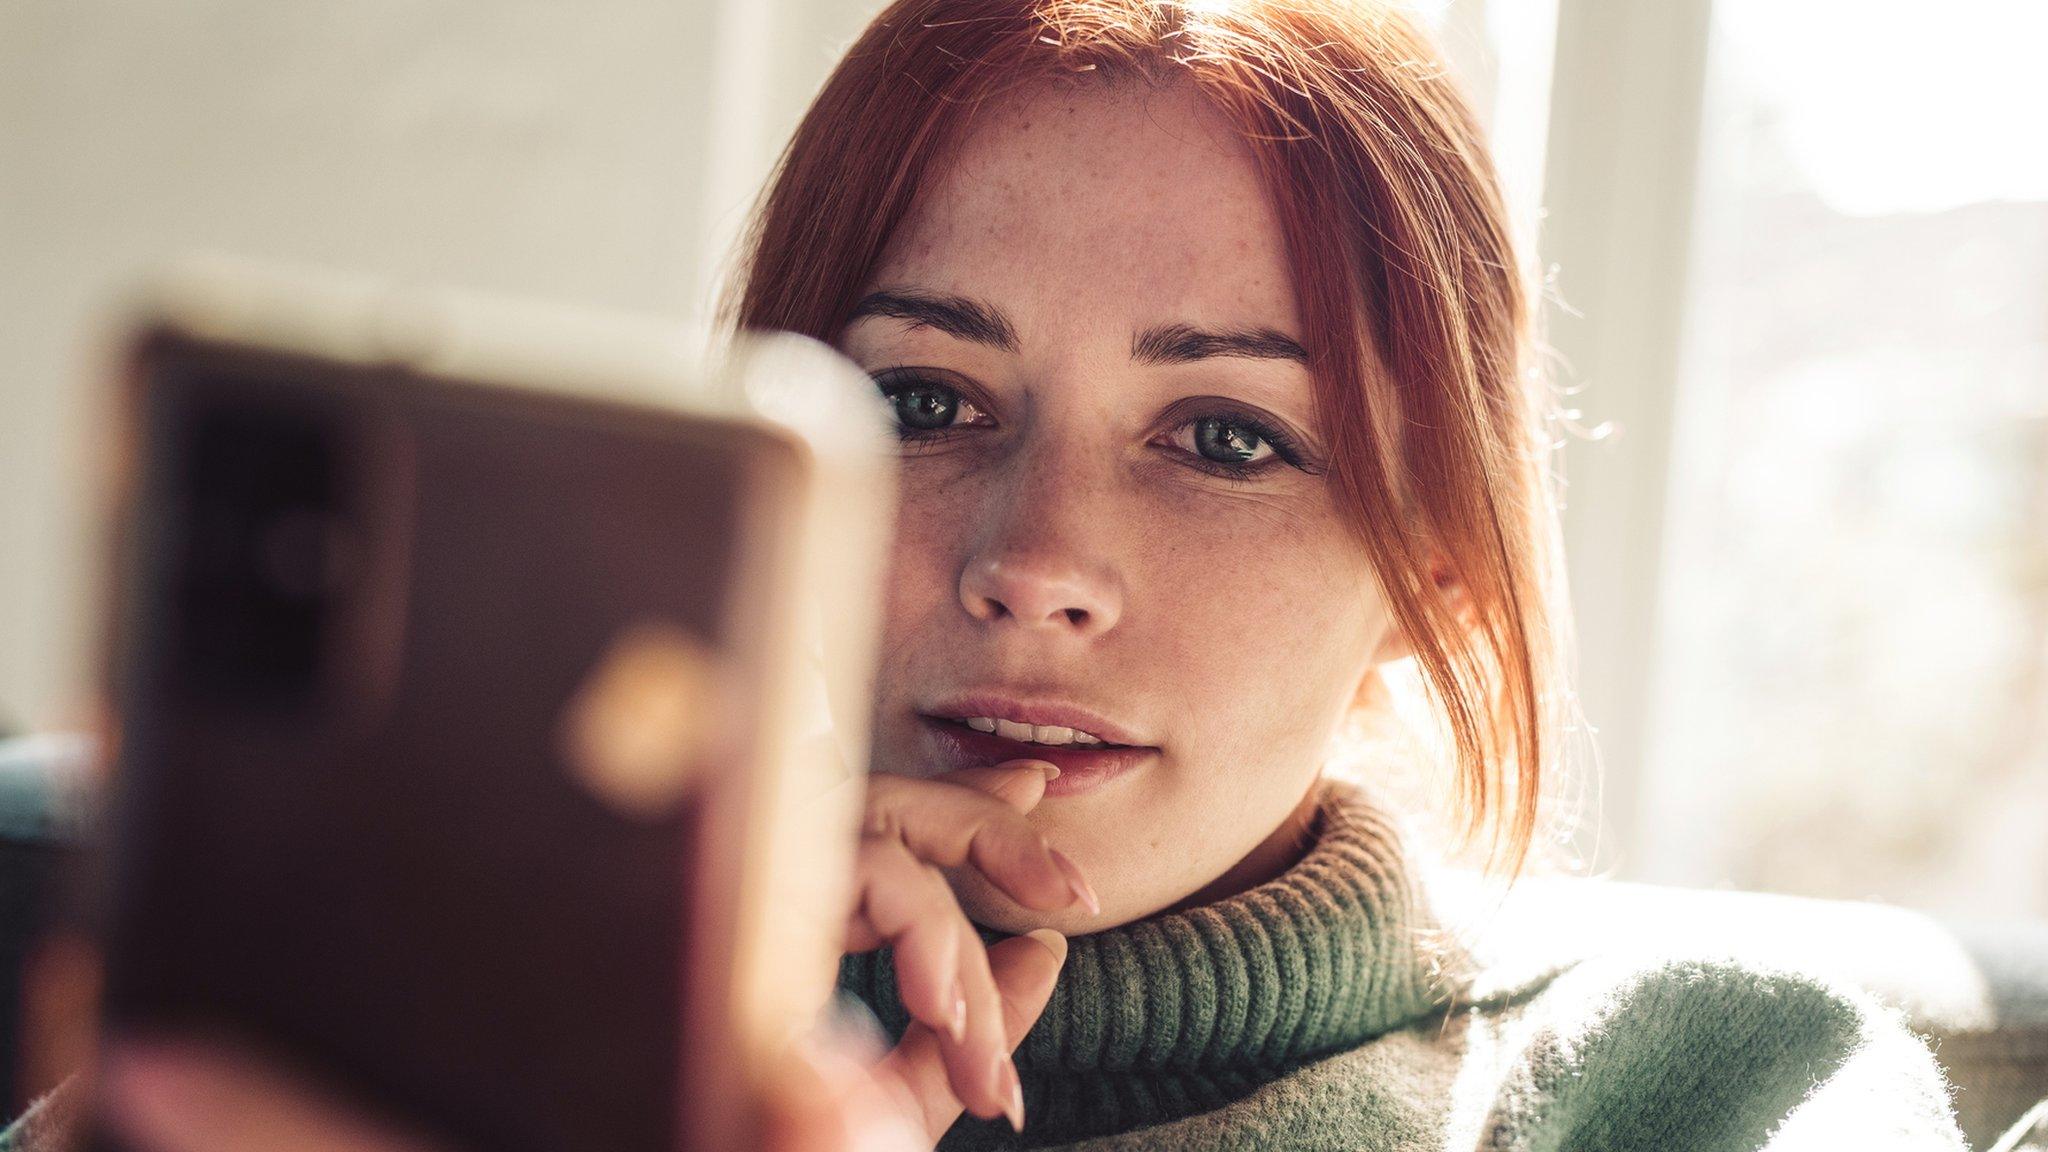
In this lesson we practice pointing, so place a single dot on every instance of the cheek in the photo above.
(934, 523)
(924, 556)
(1281, 565)
(919, 587)
(1271, 616)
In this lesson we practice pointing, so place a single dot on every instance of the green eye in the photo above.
(1229, 442)
(923, 406)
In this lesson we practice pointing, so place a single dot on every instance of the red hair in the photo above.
(1415, 308)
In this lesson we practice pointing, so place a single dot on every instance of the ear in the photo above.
(1449, 590)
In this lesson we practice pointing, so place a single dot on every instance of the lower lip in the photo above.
(1081, 768)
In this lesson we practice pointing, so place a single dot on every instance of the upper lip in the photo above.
(1051, 713)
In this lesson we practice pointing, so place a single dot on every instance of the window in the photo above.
(1850, 695)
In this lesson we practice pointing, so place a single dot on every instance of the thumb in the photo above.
(1025, 968)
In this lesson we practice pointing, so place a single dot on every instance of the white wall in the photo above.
(599, 152)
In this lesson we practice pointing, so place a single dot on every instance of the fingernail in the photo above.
(957, 1026)
(1051, 770)
(1013, 1106)
(1076, 883)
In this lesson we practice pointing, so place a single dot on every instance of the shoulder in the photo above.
(1679, 1051)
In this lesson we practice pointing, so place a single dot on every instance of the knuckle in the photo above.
(874, 855)
(881, 822)
(888, 865)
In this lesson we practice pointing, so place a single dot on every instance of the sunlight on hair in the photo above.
(1431, 12)
(1395, 742)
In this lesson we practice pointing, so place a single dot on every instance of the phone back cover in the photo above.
(403, 885)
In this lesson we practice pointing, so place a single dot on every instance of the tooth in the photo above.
(1051, 734)
(1011, 730)
(1081, 737)
(981, 724)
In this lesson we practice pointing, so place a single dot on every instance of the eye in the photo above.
(922, 405)
(1225, 440)
(1222, 438)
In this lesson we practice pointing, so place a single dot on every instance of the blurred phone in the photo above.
(490, 694)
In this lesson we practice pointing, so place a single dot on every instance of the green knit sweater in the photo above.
(1330, 1009)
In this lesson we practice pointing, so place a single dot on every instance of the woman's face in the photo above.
(1113, 518)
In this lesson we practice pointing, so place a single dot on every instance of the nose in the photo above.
(1040, 591)
(1035, 560)
(1040, 556)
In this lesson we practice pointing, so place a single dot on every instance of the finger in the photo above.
(1024, 968)
(824, 1098)
(942, 971)
(907, 903)
(1021, 784)
(978, 1067)
(950, 824)
(1018, 783)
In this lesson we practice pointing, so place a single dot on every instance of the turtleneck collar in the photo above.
(1185, 1011)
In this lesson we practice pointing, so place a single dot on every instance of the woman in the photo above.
(1212, 360)
(1213, 364)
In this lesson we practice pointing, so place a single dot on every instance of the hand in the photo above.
(970, 1005)
(837, 1093)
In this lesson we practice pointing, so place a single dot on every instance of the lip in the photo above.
(1051, 714)
(1082, 769)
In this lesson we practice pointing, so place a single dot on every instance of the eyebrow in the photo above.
(984, 323)
(1182, 343)
(953, 315)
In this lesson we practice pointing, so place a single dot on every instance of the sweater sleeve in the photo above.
(1887, 1093)
(1717, 1055)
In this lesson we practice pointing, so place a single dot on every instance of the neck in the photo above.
(1282, 849)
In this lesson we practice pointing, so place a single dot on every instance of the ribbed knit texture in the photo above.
(1181, 1013)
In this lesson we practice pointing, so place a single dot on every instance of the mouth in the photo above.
(1082, 763)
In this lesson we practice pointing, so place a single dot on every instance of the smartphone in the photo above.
(489, 687)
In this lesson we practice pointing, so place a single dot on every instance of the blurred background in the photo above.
(1796, 254)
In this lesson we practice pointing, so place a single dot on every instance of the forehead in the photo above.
(1109, 207)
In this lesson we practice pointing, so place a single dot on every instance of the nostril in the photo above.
(1036, 594)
